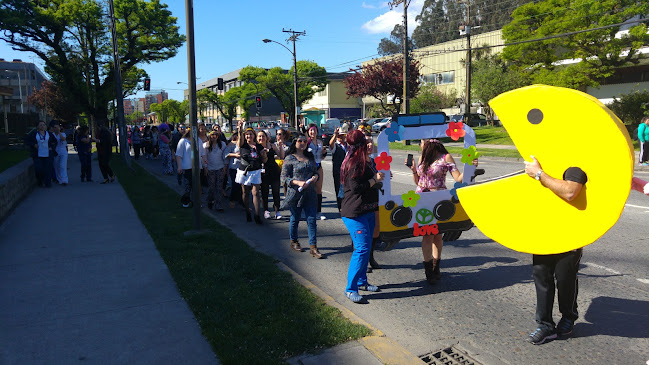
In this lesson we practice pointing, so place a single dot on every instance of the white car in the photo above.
(379, 126)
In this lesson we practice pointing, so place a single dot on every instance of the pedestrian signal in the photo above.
(219, 83)
(147, 84)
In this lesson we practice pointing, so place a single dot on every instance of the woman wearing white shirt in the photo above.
(214, 148)
(184, 160)
(61, 158)
(317, 148)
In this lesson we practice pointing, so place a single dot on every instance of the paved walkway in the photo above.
(81, 280)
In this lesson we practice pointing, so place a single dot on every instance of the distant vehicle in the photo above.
(476, 120)
(379, 126)
(328, 128)
(371, 121)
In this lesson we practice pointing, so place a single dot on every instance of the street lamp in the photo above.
(294, 76)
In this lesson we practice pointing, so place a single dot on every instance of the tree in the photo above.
(492, 76)
(383, 78)
(171, 110)
(430, 99)
(58, 105)
(311, 79)
(135, 117)
(394, 44)
(597, 52)
(631, 108)
(72, 37)
(439, 20)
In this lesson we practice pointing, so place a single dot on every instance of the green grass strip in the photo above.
(249, 310)
(11, 157)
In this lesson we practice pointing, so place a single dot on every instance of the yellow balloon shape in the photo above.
(561, 128)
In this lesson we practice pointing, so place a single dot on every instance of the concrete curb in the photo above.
(378, 344)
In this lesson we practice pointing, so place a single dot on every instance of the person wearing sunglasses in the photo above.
(253, 156)
(300, 173)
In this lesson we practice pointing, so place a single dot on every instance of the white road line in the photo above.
(636, 206)
(644, 281)
(603, 268)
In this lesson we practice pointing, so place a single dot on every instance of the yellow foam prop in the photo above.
(561, 128)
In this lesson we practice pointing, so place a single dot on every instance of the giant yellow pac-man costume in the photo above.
(561, 128)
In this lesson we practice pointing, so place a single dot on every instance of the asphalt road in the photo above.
(485, 302)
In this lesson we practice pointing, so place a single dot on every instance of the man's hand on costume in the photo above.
(531, 168)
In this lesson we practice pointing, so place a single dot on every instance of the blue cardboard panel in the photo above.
(436, 118)
(407, 120)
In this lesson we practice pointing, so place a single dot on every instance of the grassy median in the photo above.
(249, 310)
(11, 157)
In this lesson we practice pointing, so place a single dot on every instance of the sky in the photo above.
(340, 34)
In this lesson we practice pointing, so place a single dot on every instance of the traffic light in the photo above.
(219, 83)
(147, 84)
(258, 101)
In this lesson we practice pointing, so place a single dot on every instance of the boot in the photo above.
(258, 219)
(436, 274)
(428, 269)
(373, 263)
(295, 246)
(315, 253)
(248, 216)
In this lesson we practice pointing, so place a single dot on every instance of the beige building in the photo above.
(332, 102)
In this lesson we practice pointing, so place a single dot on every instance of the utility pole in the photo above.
(123, 138)
(405, 100)
(191, 65)
(294, 36)
(467, 30)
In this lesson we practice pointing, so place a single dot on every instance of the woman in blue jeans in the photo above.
(299, 171)
(360, 201)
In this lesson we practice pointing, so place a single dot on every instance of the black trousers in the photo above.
(104, 160)
(273, 183)
(563, 267)
(645, 152)
(339, 201)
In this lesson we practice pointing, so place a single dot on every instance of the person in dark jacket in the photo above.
(42, 145)
(338, 147)
(104, 150)
(84, 147)
(360, 201)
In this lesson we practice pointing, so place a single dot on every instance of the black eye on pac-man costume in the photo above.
(561, 128)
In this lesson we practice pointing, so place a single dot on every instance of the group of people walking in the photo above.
(49, 151)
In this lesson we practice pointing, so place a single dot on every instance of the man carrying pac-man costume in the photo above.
(562, 266)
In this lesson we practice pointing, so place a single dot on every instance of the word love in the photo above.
(424, 230)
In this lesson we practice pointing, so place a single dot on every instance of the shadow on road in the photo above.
(480, 279)
(615, 317)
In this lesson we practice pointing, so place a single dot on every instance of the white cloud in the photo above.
(367, 6)
(381, 5)
(385, 22)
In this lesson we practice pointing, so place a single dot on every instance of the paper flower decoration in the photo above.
(383, 161)
(410, 199)
(469, 154)
(394, 131)
(455, 130)
(456, 186)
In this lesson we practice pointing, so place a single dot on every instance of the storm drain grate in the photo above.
(449, 356)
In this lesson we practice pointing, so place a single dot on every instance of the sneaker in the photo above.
(541, 335)
(278, 216)
(266, 215)
(321, 217)
(565, 327)
(354, 296)
(369, 287)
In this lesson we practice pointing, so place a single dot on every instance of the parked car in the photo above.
(379, 126)
(476, 120)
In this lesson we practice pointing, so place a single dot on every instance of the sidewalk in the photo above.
(81, 280)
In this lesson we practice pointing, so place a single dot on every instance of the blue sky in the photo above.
(340, 34)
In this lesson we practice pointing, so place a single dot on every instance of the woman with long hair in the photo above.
(360, 202)
(147, 137)
(214, 148)
(184, 162)
(253, 157)
(165, 149)
(283, 143)
(233, 159)
(430, 175)
(270, 175)
(317, 148)
(300, 173)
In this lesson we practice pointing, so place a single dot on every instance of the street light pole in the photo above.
(191, 83)
(292, 38)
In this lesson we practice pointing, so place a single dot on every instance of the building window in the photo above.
(322, 93)
(441, 78)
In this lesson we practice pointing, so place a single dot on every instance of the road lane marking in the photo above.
(603, 268)
(644, 281)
